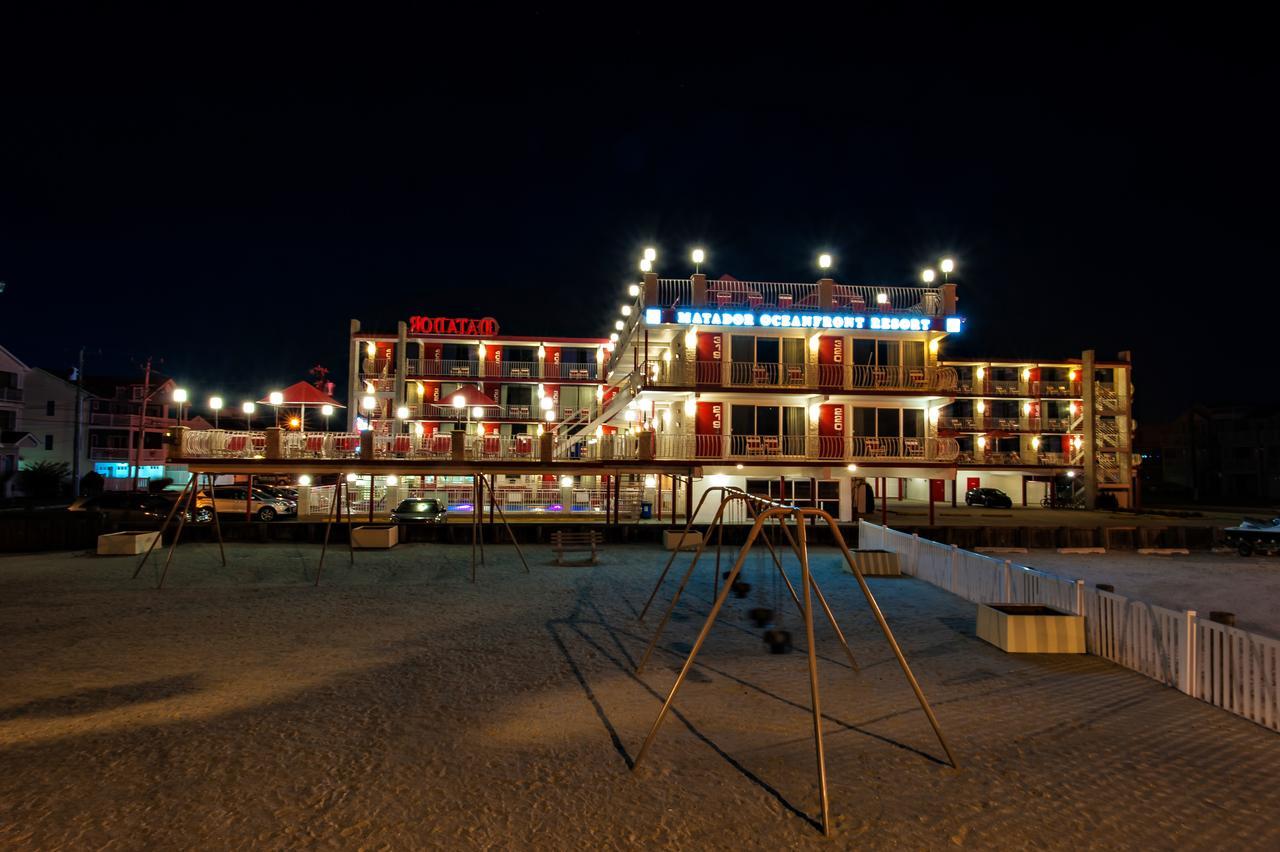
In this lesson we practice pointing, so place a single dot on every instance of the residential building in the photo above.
(50, 416)
(14, 438)
(129, 422)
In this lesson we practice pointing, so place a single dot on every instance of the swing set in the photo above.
(784, 517)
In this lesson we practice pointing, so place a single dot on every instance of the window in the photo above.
(48, 440)
(48, 408)
(829, 497)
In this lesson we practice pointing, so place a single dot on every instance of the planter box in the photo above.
(379, 537)
(876, 563)
(671, 538)
(1030, 629)
(126, 543)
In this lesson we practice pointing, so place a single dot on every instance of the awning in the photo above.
(304, 393)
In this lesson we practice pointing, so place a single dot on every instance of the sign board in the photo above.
(459, 326)
(808, 320)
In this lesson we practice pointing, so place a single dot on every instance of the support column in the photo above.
(400, 396)
(1090, 413)
(353, 375)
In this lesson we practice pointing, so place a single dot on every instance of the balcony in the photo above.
(811, 377)
(1011, 459)
(124, 454)
(1024, 425)
(10, 394)
(806, 448)
(130, 421)
(770, 295)
(513, 370)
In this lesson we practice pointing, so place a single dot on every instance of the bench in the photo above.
(587, 541)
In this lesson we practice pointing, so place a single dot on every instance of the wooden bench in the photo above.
(587, 541)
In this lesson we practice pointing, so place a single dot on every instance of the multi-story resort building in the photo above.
(805, 391)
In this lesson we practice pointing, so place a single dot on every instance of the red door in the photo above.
(709, 429)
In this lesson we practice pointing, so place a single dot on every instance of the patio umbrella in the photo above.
(303, 394)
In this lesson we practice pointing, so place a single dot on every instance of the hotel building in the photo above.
(804, 391)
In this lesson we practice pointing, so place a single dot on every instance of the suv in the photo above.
(992, 498)
(134, 507)
(230, 499)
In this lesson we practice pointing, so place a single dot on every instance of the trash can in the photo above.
(646, 511)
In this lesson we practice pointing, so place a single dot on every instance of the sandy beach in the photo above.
(399, 705)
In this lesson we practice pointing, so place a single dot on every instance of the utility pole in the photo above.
(142, 411)
(75, 441)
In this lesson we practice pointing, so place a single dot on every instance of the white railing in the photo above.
(584, 371)
(1230, 668)
(145, 456)
(220, 443)
(799, 375)
(674, 292)
(803, 296)
(321, 445)
(785, 447)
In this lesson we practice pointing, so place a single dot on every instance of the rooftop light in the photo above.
(824, 261)
(650, 254)
(927, 276)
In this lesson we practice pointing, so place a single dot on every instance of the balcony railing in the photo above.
(826, 377)
(516, 370)
(124, 454)
(1051, 425)
(8, 394)
(771, 295)
(806, 448)
(1028, 459)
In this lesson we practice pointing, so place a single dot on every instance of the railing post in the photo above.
(546, 447)
(275, 440)
(646, 446)
(457, 445)
(366, 446)
(1187, 680)
(699, 289)
(1079, 597)
(177, 442)
(650, 288)
(826, 293)
(1008, 582)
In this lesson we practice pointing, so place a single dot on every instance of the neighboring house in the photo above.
(50, 416)
(13, 438)
(127, 427)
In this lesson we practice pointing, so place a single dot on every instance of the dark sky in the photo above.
(226, 200)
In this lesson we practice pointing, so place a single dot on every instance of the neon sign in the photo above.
(753, 319)
(461, 326)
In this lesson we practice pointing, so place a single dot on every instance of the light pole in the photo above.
(367, 404)
(180, 397)
(248, 408)
(276, 398)
(327, 411)
(698, 257)
(947, 266)
(215, 405)
(824, 263)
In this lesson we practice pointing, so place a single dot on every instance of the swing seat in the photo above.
(779, 641)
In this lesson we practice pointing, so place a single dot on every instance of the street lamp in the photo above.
(698, 257)
(646, 265)
(634, 290)
(947, 266)
(327, 411)
(180, 397)
(215, 404)
(277, 399)
(927, 275)
(367, 404)
(824, 262)
(248, 408)
(650, 254)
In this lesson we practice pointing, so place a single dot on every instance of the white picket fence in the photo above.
(1229, 668)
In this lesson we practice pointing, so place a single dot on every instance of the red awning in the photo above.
(303, 393)
(473, 394)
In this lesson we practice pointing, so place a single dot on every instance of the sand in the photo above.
(1249, 586)
(400, 706)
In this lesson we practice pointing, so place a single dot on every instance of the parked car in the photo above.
(136, 508)
(280, 492)
(992, 498)
(230, 500)
(419, 510)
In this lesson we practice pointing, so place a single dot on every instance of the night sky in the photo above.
(227, 202)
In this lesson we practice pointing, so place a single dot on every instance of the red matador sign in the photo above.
(461, 326)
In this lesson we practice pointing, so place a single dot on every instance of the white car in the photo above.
(230, 500)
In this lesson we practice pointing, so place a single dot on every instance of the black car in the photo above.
(992, 498)
(139, 508)
(419, 510)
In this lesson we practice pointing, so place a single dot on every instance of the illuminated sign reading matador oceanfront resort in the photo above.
(765, 319)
